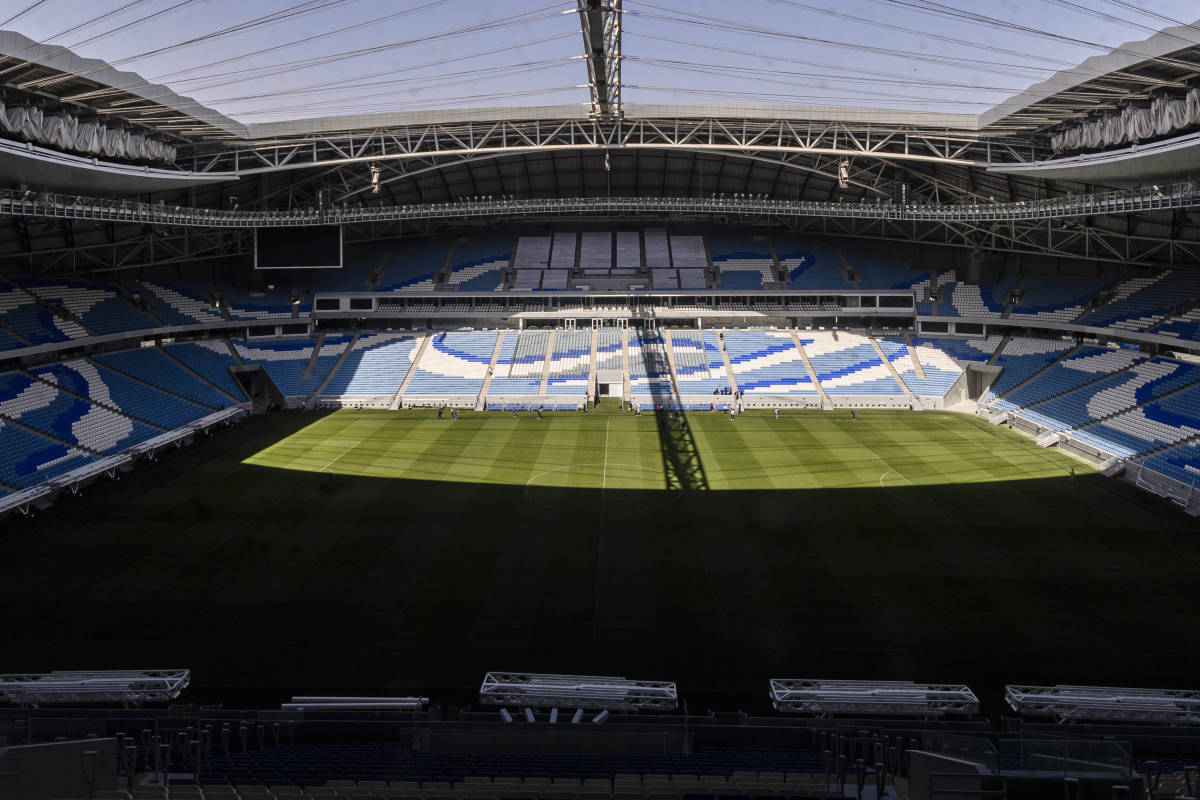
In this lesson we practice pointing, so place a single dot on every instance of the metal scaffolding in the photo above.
(927, 700)
(127, 687)
(1106, 703)
(576, 691)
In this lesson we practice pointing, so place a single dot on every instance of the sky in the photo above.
(268, 60)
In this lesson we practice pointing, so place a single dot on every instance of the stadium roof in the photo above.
(1129, 72)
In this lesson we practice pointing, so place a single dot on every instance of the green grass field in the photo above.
(621, 451)
(391, 552)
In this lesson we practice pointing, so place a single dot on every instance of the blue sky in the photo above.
(307, 58)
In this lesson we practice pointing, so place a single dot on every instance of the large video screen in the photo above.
(307, 247)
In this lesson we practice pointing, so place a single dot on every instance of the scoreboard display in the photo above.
(301, 247)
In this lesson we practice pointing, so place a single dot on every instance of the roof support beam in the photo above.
(600, 22)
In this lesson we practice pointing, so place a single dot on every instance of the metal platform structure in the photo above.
(536, 690)
(320, 703)
(872, 698)
(1065, 703)
(128, 687)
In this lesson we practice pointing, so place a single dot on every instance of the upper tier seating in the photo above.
(563, 250)
(1112, 394)
(453, 364)
(1181, 463)
(149, 365)
(1058, 298)
(27, 319)
(744, 262)
(629, 250)
(696, 372)
(943, 283)
(101, 308)
(1185, 326)
(810, 267)
(94, 423)
(940, 370)
(376, 365)
(874, 272)
(477, 265)
(1082, 367)
(658, 250)
(412, 268)
(519, 364)
(359, 260)
(596, 251)
(570, 360)
(210, 358)
(178, 304)
(265, 305)
(767, 363)
(1140, 302)
(533, 252)
(849, 365)
(693, 279)
(971, 300)
(979, 350)
(1020, 359)
(687, 252)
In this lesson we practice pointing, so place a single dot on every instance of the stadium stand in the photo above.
(1139, 303)
(810, 267)
(101, 308)
(940, 370)
(21, 313)
(260, 305)
(477, 265)
(608, 350)
(519, 372)
(649, 371)
(1182, 463)
(944, 282)
(413, 267)
(453, 365)
(1085, 366)
(974, 300)
(847, 364)
(629, 250)
(696, 372)
(977, 350)
(1057, 298)
(1140, 430)
(1020, 360)
(874, 272)
(27, 459)
(742, 261)
(688, 252)
(210, 358)
(286, 362)
(1185, 326)
(151, 366)
(658, 248)
(177, 304)
(376, 365)
(563, 250)
(83, 411)
(570, 359)
(768, 363)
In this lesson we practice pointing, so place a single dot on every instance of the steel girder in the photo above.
(732, 135)
(600, 22)
(1130, 201)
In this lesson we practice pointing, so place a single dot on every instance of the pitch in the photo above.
(620, 450)
(360, 552)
